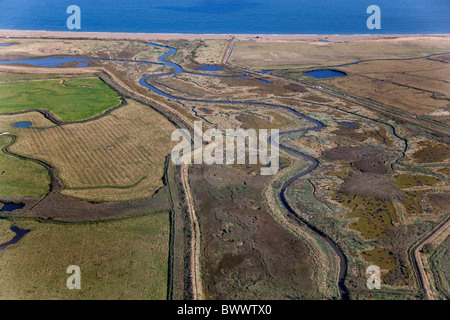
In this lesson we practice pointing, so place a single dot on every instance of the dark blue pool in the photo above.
(59, 61)
(265, 81)
(9, 207)
(23, 124)
(327, 73)
(45, 62)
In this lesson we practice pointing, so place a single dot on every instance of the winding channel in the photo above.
(282, 195)
(317, 125)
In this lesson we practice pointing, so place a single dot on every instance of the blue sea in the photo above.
(230, 16)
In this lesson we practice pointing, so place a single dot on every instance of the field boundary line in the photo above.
(195, 264)
(417, 259)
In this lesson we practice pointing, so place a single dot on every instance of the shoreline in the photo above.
(10, 34)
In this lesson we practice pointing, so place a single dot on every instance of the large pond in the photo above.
(46, 62)
(327, 73)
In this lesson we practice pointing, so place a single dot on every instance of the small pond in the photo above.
(23, 124)
(327, 73)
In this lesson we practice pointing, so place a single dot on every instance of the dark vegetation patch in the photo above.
(274, 88)
(371, 166)
(271, 120)
(58, 207)
(246, 253)
(254, 169)
(244, 82)
(295, 87)
(440, 202)
(371, 185)
(317, 99)
(368, 159)
(353, 153)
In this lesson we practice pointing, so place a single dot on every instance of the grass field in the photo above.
(20, 177)
(240, 260)
(425, 74)
(123, 259)
(194, 54)
(117, 157)
(131, 50)
(74, 99)
(37, 119)
(418, 86)
(270, 120)
(277, 54)
(10, 77)
(410, 180)
(5, 233)
(398, 83)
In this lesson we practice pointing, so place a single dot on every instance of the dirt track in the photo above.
(197, 291)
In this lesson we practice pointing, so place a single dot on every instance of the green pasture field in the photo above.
(121, 259)
(78, 99)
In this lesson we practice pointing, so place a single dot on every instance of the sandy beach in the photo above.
(175, 36)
